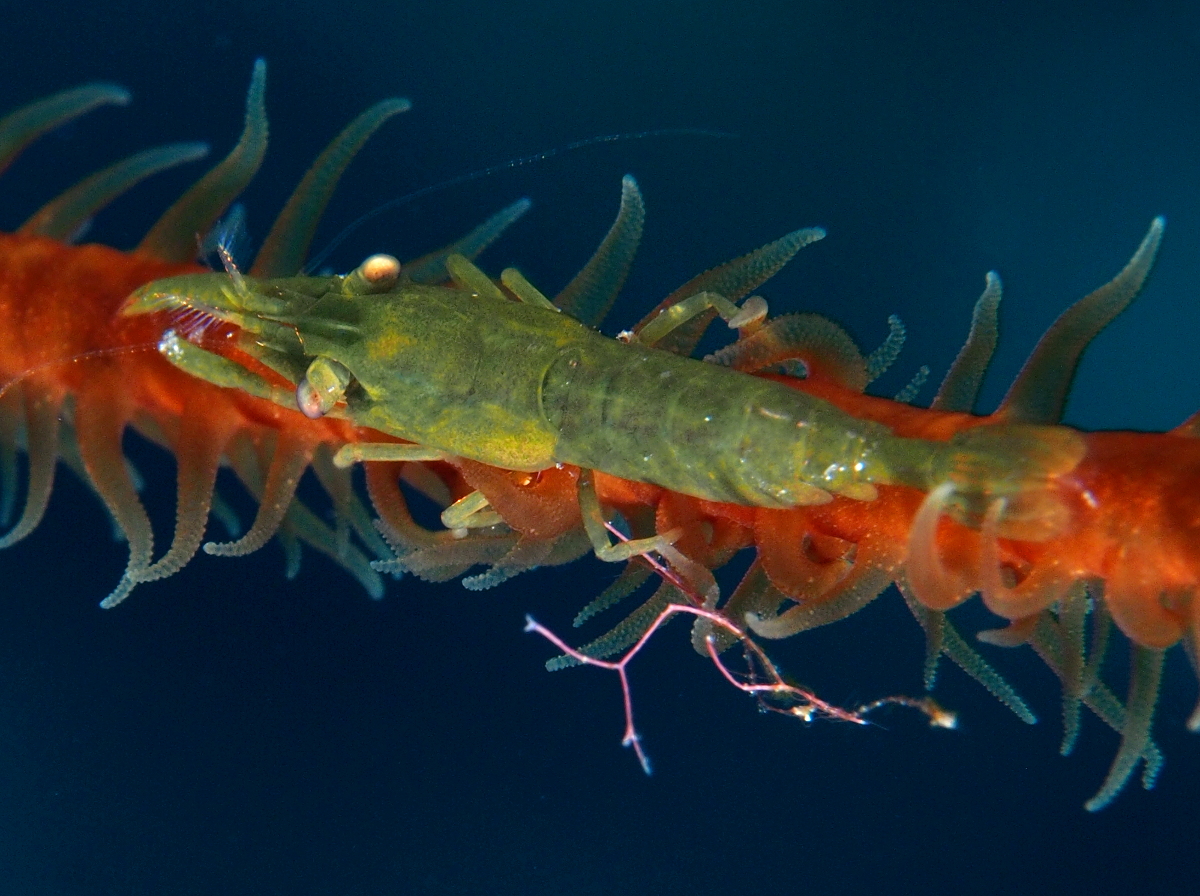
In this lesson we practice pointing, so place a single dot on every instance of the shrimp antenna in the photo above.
(317, 260)
(108, 352)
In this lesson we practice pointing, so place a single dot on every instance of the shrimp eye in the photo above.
(323, 386)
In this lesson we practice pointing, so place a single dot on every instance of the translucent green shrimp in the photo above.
(501, 375)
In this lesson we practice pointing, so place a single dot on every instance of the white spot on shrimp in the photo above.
(169, 347)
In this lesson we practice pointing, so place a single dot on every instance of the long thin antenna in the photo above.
(319, 259)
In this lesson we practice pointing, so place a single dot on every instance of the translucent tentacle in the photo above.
(283, 251)
(62, 217)
(943, 639)
(174, 235)
(99, 425)
(632, 577)
(305, 525)
(1189, 644)
(225, 515)
(299, 524)
(1072, 619)
(825, 349)
(197, 456)
(909, 393)
(933, 623)
(289, 541)
(968, 659)
(864, 583)
(41, 445)
(449, 558)
(733, 280)
(12, 438)
(526, 554)
(885, 356)
(352, 513)
(753, 598)
(432, 556)
(1039, 393)
(20, 128)
(626, 632)
(383, 488)
(960, 388)
(1145, 673)
(1048, 642)
(591, 292)
(288, 464)
(805, 566)
(936, 586)
(431, 268)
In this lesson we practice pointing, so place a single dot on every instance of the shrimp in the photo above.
(499, 375)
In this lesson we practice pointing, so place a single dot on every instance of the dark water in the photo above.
(227, 731)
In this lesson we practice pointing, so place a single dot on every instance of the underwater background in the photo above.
(229, 731)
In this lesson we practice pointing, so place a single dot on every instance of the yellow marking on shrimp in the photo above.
(387, 346)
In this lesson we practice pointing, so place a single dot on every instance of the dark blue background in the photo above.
(229, 731)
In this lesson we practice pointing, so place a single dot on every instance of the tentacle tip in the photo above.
(393, 568)
(119, 593)
(394, 105)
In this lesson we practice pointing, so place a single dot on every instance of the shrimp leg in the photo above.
(594, 523)
(357, 452)
(747, 318)
(221, 371)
